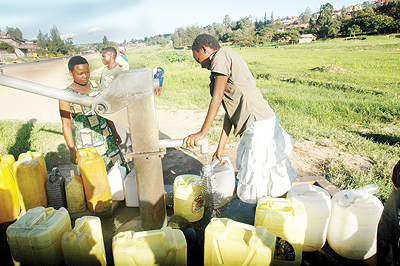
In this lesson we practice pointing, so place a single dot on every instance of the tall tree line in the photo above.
(53, 44)
(371, 19)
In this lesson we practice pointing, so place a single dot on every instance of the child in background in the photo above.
(92, 130)
(158, 74)
(110, 71)
(122, 59)
(262, 155)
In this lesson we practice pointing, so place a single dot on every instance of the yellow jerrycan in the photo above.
(227, 242)
(165, 246)
(95, 182)
(84, 245)
(36, 156)
(188, 197)
(35, 238)
(74, 193)
(10, 197)
(29, 175)
(287, 219)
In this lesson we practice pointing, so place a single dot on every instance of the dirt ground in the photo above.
(306, 157)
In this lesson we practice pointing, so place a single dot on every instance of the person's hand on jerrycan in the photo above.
(396, 175)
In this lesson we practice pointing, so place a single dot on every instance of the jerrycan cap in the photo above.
(55, 174)
(71, 237)
(351, 196)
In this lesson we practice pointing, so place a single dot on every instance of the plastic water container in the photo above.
(29, 175)
(287, 219)
(95, 182)
(227, 242)
(55, 188)
(131, 193)
(35, 238)
(317, 202)
(352, 229)
(36, 156)
(218, 189)
(11, 200)
(166, 246)
(188, 198)
(84, 245)
(74, 193)
(116, 177)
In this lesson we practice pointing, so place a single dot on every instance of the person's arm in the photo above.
(226, 130)
(219, 90)
(65, 115)
(396, 175)
(116, 136)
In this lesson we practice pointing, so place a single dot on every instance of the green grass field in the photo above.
(354, 109)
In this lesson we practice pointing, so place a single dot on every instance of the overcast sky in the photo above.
(89, 20)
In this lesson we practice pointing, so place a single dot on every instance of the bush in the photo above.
(177, 57)
(10, 49)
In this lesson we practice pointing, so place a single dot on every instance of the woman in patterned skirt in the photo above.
(91, 130)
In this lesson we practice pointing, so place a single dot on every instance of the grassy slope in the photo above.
(355, 111)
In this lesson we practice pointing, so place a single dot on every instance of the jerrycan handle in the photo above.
(276, 206)
(224, 159)
(42, 215)
(313, 193)
(185, 183)
(233, 224)
(79, 226)
(346, 201)
(142, 234)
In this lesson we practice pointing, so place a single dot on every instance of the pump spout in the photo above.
(170, 143)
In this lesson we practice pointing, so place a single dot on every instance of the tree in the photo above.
(243, 32)
(14, 33)
(306, 15)
(53, 43)
(354, 30)
(326, 25)
(272, 17)
(42, 39)
(227, 21)
(382, 23)
(107, 43)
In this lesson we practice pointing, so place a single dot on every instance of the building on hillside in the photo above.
(380, 2)
(307, 38)
(21, 47)
(337, 12)
(294, 26)
(290, 20)
(353, 8)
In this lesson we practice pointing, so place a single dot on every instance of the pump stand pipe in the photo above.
(129, 101)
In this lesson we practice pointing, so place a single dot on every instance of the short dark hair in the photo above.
(205, 40)
(111, 50)
(76, 60)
